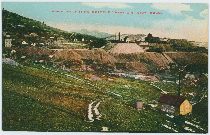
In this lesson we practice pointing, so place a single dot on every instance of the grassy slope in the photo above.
(38, 99)
(10, 22)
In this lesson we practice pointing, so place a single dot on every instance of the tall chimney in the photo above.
(119, 36)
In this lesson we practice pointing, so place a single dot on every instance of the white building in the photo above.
(33, 34)
(33, 44)
(24, 43)
(127, 39)
(75, 40)
(164, 39)
(8, 43)
(13, 51)
(144, 45)
(41, 44)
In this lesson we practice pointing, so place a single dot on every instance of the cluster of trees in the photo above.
(184, 45)
(97, 43)
(160, 48)
(173, 45)
(199, 70)
(177, 45)
(151, 39)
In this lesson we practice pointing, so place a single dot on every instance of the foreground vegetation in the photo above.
(38, 98)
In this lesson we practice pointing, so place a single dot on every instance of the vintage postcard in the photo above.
(105, 67)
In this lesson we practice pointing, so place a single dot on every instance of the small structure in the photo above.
(190, 76)
(8, 42)
(24, 43)
(41, 61)
(104, 129)
(13, 52)
(86, 68)
(33, 44)
(41, 44)
(75, 40)
(175, 104)
(20, 25)
(126, 39)
(61, 41)
(164, 39)
(23, 57)
(51, 56)
(139, 105)
(110, 79)
(33, 34)
(144, 45)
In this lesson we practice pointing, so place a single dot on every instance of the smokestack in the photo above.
(119, 36)
(115, 37)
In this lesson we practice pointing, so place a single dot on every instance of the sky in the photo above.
(172, 20)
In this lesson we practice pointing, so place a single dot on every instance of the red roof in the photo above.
(172, 100)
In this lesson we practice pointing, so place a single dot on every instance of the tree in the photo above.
(182, 45)
(201, 84)
(178, 71)
(156, 48)
(97, 43)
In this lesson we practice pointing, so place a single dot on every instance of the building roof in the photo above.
(141, 43)
(33, 34)
(24, 43)
(172, 100)
(8, 36)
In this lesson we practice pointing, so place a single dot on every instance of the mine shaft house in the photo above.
(175, 104)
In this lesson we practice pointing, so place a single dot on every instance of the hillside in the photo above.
(94, 33)
(21, 29)
(146, 62)
(40, 98)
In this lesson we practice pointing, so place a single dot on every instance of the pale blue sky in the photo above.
(171, 19)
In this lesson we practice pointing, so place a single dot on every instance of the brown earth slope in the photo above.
(188, 57)
(145, 62)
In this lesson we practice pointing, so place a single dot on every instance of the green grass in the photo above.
(38, 99)
(22, 113)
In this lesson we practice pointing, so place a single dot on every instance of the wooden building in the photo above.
(139, 105)
(175, 104)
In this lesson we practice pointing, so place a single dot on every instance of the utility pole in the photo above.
(119, 36)
(179, 83)
(181, 70)
(178, 72)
